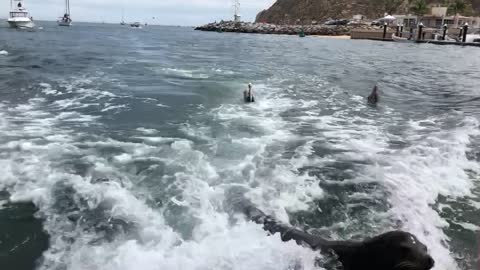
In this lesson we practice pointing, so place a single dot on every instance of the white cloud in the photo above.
(171, 12)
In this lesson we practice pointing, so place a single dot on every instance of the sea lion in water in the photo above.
(395, 250)
(248, 96)
(373, 97)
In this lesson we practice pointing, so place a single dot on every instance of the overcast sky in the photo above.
(167, 12)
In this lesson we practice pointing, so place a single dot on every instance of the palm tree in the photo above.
(457, 6)
(419, 8)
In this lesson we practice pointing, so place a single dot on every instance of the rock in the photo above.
(264, 28)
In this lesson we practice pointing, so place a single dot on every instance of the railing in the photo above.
(18, 14)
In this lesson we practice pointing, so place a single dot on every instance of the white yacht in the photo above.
(66, 20)
(19, 17)
(473, 38)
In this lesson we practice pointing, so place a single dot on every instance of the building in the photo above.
(358, 18)
(437, 18)
(406, 20)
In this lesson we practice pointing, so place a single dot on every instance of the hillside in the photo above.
(290, 11)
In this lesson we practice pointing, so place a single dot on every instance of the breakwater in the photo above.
(266, 28)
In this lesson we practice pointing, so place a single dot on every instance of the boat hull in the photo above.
(24, 24)
(60, 23)
(473, 38)
(402, 39)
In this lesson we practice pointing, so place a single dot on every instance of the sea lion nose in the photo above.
(430, 262)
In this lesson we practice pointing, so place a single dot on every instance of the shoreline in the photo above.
(333, 37)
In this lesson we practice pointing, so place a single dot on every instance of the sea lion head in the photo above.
(373, 97)
(399, 250)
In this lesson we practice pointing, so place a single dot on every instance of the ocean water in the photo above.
(120, 148)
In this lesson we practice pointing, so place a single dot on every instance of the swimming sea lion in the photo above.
(373, 97)
(396, 250)
(248, 96)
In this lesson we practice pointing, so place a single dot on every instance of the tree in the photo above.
(380, 7)
(391, 6)
(419, 8)
(457, 6)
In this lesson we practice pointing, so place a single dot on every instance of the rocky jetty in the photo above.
(266, 28)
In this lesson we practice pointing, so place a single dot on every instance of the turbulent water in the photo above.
(120, 148)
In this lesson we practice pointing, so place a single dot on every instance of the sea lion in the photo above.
(248, 96)
(396, 250)
(373, 97)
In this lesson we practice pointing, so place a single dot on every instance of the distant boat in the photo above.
(123, 17)
(473, 38)
(18, 16)
(402, 39)
(66, 20)
(136, 25)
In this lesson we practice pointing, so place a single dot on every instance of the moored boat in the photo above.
(66, 20)
(19, 16)
(402, 39)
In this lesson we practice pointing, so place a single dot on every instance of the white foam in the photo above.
(433, 164)
(242, 247)
(48, 89)
(123, 158)
(115, 107)
(474, 204)
(468, 226)
(3, 203)
(4, 53)
(195, 74)
(156, 140)
(416, 176)
(283, 188)
(147, 131)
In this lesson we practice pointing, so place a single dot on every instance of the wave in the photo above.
(151, 201)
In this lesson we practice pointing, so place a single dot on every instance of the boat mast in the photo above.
(123, 11)
(67, 7)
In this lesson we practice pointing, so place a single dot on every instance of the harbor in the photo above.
(281, 136)
(433, 28)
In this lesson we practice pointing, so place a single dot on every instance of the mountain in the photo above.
(292, 11)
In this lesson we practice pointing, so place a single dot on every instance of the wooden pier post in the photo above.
(385, 31)
(420, 29)
(465, 32)
(445, 27)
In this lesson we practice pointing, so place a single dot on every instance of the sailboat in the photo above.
(66, 20)
(123, 17)
(18, 16)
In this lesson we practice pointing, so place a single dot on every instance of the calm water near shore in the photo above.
(119, 146)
